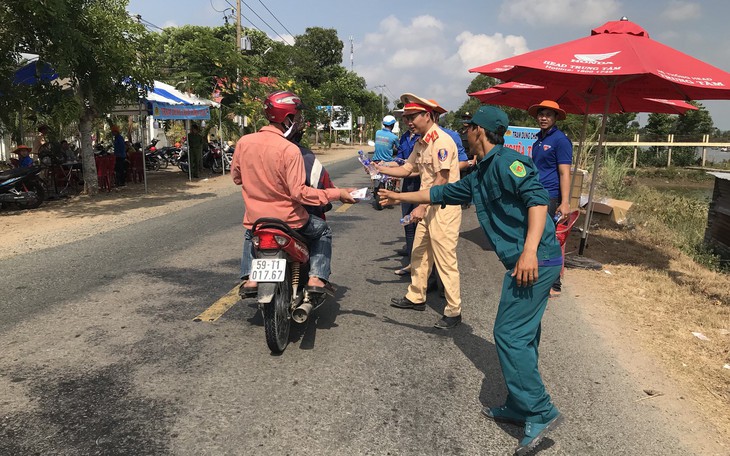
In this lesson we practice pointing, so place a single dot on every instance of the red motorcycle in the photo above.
(280, 267)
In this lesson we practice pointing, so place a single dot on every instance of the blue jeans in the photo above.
(319, 237)
(409, 185)
(552, 209)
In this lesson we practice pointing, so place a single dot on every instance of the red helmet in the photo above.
(279, 105)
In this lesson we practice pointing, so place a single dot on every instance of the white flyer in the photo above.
(360, 194)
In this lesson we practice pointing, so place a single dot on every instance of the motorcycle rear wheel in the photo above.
(277, 320)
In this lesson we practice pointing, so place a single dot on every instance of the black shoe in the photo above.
(448, 322)
(405, 303)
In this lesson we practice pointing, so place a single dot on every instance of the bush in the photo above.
(677, 219)
(613, 176)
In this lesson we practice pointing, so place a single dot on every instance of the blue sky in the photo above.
(427, 47)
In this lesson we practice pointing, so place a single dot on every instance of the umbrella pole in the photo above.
(599, 149)
(581, 144)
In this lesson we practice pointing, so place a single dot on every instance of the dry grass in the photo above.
(665, 296)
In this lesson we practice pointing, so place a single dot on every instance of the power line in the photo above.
(267, 24)
(277, 19)
(242, 16)
(145, 22)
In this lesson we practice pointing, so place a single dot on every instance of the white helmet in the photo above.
(388, 120)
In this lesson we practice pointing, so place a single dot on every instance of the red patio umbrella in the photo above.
(522, 96)
(618, 59)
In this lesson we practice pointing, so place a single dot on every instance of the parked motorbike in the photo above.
(212, 158)
(22, 186)
(281, 267)
(152, 153)
(151, 161)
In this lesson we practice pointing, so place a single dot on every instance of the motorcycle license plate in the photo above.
(264, 270)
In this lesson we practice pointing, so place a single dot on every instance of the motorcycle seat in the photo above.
(15, 172)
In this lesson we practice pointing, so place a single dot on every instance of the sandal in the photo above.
(554, 293)
(328, 288)
(248, 292)
(403, 271)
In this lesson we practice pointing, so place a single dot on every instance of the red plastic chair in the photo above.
(562, 230)
(105, 172)
(135, 172)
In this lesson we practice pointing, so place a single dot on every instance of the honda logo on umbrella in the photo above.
(595, 59)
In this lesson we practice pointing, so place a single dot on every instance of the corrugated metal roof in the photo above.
(724, 176)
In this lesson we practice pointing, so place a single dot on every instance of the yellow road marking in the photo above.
(220, 307)
(344, 207)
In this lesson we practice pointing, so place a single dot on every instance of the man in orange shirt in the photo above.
(270, 170)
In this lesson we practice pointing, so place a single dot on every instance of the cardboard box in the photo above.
(577, 188)
(616, 208)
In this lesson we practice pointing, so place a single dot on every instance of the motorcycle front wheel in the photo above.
(33, 185)
(216, 166)
(276, 317)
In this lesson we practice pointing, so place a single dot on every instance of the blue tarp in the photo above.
(33, 73)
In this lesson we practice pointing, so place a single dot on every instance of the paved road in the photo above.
(101, 354)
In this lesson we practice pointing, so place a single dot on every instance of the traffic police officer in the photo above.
(511, 208)
(435, 158)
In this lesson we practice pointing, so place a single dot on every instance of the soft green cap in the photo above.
(490, 118)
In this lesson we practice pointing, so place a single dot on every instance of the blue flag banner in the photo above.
(521, 139)
(179, 112)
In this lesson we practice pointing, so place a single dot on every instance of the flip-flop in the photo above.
(402, 271)
(554, 293)
(248, 292)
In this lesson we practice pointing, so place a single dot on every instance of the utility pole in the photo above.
(238, 24)
(352, 54)
(382, 100)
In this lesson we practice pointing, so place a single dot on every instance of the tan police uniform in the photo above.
(438, 233)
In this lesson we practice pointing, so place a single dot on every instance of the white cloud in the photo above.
(475, 50)
(580, 12)
(285, 38)
(681, 11)
(429, 58)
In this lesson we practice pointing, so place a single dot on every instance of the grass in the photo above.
(664, 282)
(667, 216)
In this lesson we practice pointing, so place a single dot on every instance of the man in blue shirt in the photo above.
(386, 142)
(120, 157)
(410, 184)
(511, 208)
(552, 153)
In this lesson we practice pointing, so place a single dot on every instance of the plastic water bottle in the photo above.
(368, 164)
(406, 220)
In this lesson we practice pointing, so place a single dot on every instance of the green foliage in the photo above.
(613, 176)
(681, 220)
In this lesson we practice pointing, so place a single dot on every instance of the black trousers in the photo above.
(120, 171)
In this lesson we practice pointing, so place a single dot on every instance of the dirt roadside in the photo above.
(71, 219)
(631, 303)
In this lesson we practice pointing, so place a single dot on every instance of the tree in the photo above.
(316, 55)
(95, 44)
